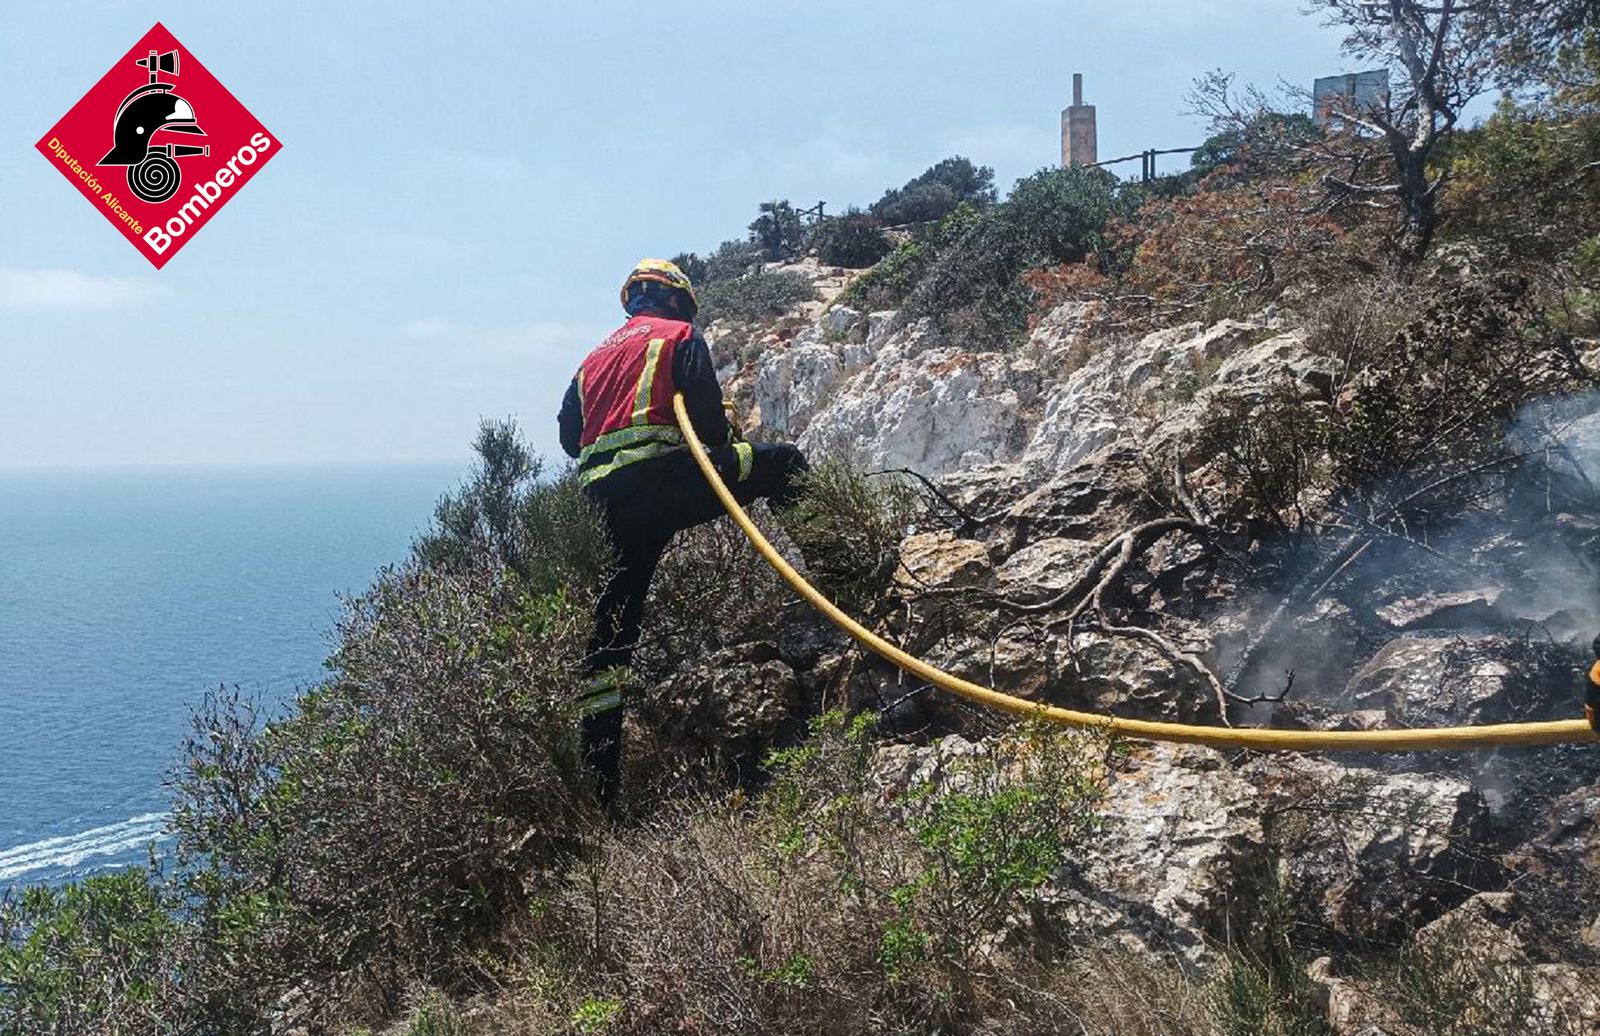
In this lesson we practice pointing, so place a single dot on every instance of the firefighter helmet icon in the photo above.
(153, 172)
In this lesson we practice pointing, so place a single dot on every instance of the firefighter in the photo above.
(617, 420)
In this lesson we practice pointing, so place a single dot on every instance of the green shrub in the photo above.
(409, 793)
(855, 240)
(1253, 995)
(92, 957)
(595, 1015)
(436, 1016)
(731, 260)
(1057, 215)
(973, 289)
(379, 834)
(755, 295)
(693, 267)
(936, 192)
(888, 284)
(543, 530)
(1445, 981)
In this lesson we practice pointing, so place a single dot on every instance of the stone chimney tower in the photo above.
(1077, 128)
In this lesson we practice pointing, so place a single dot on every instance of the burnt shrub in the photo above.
(1270, 450)
(1428, 407)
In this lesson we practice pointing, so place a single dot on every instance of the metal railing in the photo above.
(1147, 157)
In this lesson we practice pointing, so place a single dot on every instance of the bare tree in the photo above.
(1443, 59)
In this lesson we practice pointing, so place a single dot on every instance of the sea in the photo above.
(126, 594)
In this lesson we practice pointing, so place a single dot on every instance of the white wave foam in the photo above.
(71, 850)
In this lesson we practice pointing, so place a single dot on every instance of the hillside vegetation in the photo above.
(1300, 435)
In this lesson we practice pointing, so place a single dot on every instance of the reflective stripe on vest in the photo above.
(647, 381)
(630, 427)
(623, 458)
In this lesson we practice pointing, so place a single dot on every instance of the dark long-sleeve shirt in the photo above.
(692, 374)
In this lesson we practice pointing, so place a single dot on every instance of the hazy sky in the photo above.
(463, 187)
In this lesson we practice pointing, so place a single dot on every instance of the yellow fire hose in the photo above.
(1573, 731)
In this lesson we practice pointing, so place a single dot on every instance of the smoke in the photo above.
(1521, 559)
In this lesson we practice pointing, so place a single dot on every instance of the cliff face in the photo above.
(1047, 453)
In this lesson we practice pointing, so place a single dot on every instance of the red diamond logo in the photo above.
(158, 145)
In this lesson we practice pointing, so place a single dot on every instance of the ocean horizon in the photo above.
(127, 593)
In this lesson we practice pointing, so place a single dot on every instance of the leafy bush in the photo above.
(88, 958)
(1057, 214)
(886, 285)
(755, 295)
(974, 287)
(936, 192)
(408, 793)
(1260, 144)
(1523, 179)
(544, 531)
(379, 832)
(855, 239)
(731, 260)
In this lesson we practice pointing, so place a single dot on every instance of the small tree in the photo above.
(778, 231)
(1443, 65)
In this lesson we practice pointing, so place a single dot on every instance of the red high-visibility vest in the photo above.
(625, 388)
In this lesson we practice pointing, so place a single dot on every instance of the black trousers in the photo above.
(644, 505)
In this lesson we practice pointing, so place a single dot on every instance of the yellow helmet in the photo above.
(662, 271)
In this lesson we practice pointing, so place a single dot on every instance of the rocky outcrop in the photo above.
(1367, 855)
(1193, 849)
(1046, 452)
(732, 709)
(934, 412)
(1181, 844)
